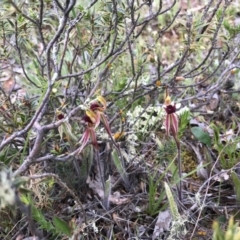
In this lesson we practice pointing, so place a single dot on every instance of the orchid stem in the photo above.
(179, 167)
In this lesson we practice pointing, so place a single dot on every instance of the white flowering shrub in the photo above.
(142, 120)
(7, 188)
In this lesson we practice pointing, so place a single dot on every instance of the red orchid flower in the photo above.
(99, 107)
(92, 119)
(171, 124)
(171, 121)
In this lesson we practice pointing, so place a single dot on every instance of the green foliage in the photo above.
(232, 232)
(155, 199)
(154, 206)
(41, 220)
(57, 227)
(66, 128)
(86, 163)
(165, 19)
(184, 119)
(232, 30)
(8, 155)
(201, 135)
(119, 165)
(172, 204)
(107, 192)
(177, 229)
(120, 84)
(61, 226)
(227, 150)
(236, 182)
(166, 150)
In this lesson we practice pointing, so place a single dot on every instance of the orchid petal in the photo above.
(84, 139)
(102, 100)
(106, 124)
(93, 138)
(107, 127)
(174, 123)
(168, 101)
(92, 115)
(60, 130)
(98, 118)
(96, 106)
(167, 124)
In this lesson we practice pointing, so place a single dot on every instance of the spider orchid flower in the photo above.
(92, 119)
(98, 107)
(171, 121)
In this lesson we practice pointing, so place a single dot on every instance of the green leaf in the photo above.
(107, 191)
(26, 199)
(236, 182)
(68, 131)
(172, 203)
(39, 217)
(118, 164)
(201, 135)
(25, 190)
(62, 226)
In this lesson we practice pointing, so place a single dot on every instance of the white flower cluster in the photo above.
(131, 146)
(141, 120)
(7, 191)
